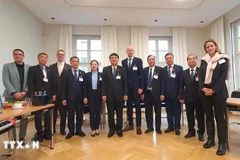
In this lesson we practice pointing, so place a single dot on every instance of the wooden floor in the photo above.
(130, 147)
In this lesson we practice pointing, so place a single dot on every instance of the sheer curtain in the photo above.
(180, 46)
(65, 41)
(217, 33)
(109, 42)
(139, 40)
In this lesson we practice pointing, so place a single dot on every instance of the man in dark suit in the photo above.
(58, 69)
(134, 68)
(190, 96)
(173, 75)
(72, 95)
(154, 84)
(114, 92)
(40, 79)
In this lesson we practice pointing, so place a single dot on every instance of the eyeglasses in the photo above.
(18, 54)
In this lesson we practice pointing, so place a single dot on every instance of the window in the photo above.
(235, 27)
(87, 48)
(159, 46)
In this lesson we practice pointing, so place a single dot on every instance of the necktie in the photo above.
(129, 62)
(60, 68)
(114, 72)
(169, 71)
(150, 79)
(192, 74)
(75, 74)
(44, 72)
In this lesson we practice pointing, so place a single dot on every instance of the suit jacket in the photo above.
(36, 83)
(190, 88)
(218, 78)
(57, 77)
(72, 89)
(158, 81)
(172, 85)
(88, 85)
(114, 87)
(11, 79)
(135, 77)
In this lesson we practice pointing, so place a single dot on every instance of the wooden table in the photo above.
(234, 102)
(10, 113)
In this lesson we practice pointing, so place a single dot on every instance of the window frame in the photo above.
(170, 47)
(88, 38)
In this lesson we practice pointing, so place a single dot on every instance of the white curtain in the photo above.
(139, 40)
(65, 41)
(180, 46)
(109, 42)
(217, 33)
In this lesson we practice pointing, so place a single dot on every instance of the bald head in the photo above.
(130, 51)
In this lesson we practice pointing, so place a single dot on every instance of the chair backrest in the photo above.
(235, 94)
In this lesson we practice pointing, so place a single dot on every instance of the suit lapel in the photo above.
(56, 69)
(15, 69)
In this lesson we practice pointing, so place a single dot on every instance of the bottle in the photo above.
(1, 105)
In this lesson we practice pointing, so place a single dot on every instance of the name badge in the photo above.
(173, 75)
(135, 68)
(100, 78)
(221, 61)
(118, 77)
(45, 79)
(196, 78)
(155, 76)
(80, 79)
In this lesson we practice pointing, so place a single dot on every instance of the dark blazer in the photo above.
(88, 85)
(36, 83)
(158, 84)
(114, 87)
(172, 85)
(72, 89)
(219, 76)
(135, 77)
(57, 77)
(190, 89)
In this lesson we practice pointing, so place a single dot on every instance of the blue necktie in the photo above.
(192, 74)
(150, 79)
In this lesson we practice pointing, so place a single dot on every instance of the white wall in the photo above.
(18, 29)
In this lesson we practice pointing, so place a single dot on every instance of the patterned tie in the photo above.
(150, 79)
(44, 72)
(75, 74)
(192, 74)
(114, 72)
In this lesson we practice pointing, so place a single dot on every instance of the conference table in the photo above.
(10, 113)
(234, 102)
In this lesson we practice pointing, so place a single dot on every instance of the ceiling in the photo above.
(129, 12)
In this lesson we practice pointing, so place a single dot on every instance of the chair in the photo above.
(235, 94)
(10, 151)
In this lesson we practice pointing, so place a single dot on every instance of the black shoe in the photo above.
(201, 137)
(168, 130)
(189, 135)
(139, 131)
(69, 135)
(158, 131)
(35, 138)
(119, 133)
(149, 130)
(110, 134)
(177, 132)
(63, 133)
(81, 134)
(128, 128)
(47, 136)
(210, 142)
(221, 149)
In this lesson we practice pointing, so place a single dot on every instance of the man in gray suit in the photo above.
(14, 77)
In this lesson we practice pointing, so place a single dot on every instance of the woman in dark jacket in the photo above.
(92, 96)
(214, 71)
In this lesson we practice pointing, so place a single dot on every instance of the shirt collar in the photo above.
(60, 63)
(194, 69)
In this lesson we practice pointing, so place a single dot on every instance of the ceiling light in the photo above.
(53, 18)
(105, 19)
(155, 20)
(201, 21)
